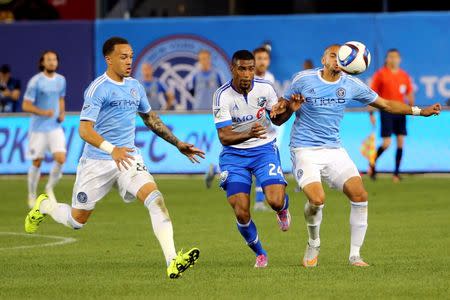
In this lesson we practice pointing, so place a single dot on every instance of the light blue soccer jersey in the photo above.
(113, 106)
(318, 120)
(204, 84)
(44, 92)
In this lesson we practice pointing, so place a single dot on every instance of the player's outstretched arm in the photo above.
(119, 154)
(283, 110)
(229, 137)
(399, 108)
(154, 123)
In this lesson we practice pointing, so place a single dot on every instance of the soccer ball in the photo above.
(353, 58)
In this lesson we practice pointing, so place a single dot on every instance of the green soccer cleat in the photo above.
(182, 262)
(35, 217)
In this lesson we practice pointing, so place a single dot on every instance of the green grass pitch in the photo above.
(117, 256)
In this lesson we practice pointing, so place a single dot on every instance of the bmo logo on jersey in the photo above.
(259, 114)
(174, 62)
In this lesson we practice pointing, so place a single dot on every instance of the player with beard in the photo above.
(44, 99)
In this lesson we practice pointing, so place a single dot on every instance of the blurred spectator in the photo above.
(205, 81)
(6, 16)
(308, 64)
(9, 91)
(33, 10)
(158, 95)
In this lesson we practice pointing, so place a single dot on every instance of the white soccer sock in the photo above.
(54, 176)
(60, 212)
(34, 174)
(161, 223)
(313, 217)
(358, 226)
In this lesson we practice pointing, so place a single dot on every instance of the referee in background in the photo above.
(391, 82)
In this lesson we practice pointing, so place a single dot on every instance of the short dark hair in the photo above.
(41, 59)
(243, 55)
(392, 50)
(108, 45)
(5, 69)
(261, 49)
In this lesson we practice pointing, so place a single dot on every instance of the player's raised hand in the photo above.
(432, 110)
(122, 157)
(296, 102)
(258, 131)
(279, 108)
(190, 151)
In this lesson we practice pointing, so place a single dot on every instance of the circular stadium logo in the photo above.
(174, 61)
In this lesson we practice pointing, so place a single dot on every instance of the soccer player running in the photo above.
(316, 150)
(262, 63)
(248, 140)
(393, 83)
(107, 124)
(44, 98)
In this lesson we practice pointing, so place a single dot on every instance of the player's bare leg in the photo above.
(372, 172)
(55, 175)
(162, 227)
(313, 217)
(279, 201)
(240, 203)
(34, 173)
(354, 189)
(398, 158)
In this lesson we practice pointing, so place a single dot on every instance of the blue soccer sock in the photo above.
(250, 234)
(286, 202)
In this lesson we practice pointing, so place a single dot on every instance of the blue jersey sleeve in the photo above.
(31, 91)
(361, 92)
(294, 88)
(93, 101)
(144, 105)
(63, 89)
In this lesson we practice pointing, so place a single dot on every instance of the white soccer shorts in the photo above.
(333, 165)
(41, 142)
(95, 178)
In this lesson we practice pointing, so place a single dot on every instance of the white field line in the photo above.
(61, 240)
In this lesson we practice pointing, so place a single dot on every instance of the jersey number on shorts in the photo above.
(272, 170)
(141, 167)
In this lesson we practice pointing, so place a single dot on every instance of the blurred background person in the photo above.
(391, 82)
(262, 63)
(308, 64)
(205, 81)
(44, 99)
(158, 95)
(9, 91)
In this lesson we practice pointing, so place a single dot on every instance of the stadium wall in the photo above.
(427, 149)
(422, 38)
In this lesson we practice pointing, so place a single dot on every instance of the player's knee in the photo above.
(60, 159)
(275, 199)
(242, 215)
(360, 196)
(386, 143)
(317, 199)
(77, 222)
(37, 163)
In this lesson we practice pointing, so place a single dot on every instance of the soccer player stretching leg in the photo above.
(316, 150)
(107, 124)
(248, 137)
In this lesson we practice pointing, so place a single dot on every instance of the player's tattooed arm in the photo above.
(153, 121)
(283, 110)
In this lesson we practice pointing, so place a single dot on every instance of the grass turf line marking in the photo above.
(62, 240)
